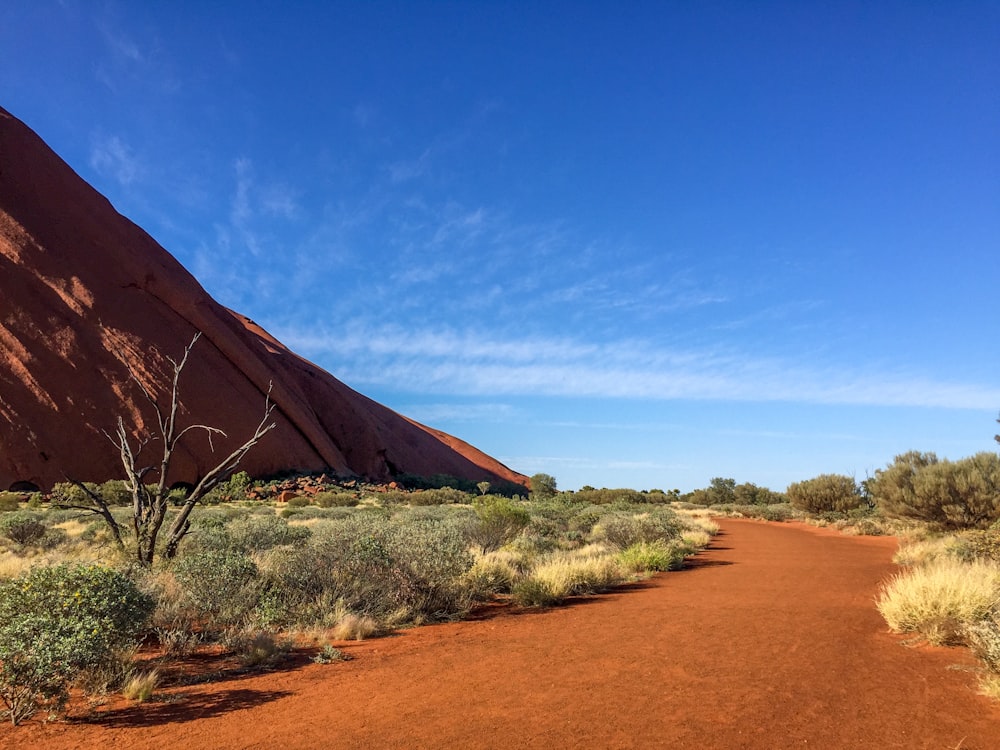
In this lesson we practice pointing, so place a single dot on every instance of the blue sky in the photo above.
(626, 244)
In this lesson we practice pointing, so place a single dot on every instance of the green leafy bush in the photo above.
(543, 485)
(57, 622)
(827, 492)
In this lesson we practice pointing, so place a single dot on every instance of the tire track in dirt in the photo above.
(769, 640)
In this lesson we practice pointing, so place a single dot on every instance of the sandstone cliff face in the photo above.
(85, 295)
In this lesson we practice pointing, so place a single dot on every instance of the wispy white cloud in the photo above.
(465, 412)
(122, 45)
(111, 157)
(471, 363)
(406, 170)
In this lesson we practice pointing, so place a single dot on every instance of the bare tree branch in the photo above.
(150, 504)
(100, 508)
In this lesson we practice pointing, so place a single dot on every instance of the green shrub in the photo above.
(657, 555)
(543, 485)
(115, 492)
(22, 527)
(335, 499)
(298, 502)
(534, 592)
(219, 584)
(57, 622)
(441, 496)
(827, 492)
(749, 493)
(978, 545)
(607, 497)
(622, 530)
(9, 501)
(388, 569)
(254, 534)
(499, 520)
(950, 494)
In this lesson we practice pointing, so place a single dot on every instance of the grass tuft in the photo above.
(939, 600)
(140, 688)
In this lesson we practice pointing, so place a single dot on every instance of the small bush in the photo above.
(492, 573)
(352, 627)
(22, 527)
(9, 501)
(298, 502)
(564, 575)
(57, 622)
(825, 493)
(948, 494)
(979, 545)
(984, 639)
(140, 688)
(623, 530)
(500, 519)
(255, 648)
(441, 496)
(535, 592)
(255, 534)
(940, 599)
(329, 654)
(335, 499)
(219, 584)
(401, 571)
(654, 556)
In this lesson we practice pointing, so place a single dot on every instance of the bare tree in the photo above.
(151, 502)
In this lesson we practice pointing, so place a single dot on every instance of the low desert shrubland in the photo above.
(948, 592)
(339, 564)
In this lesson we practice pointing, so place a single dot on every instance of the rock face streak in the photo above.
(85, 295)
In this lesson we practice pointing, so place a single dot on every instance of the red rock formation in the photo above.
(85, 294)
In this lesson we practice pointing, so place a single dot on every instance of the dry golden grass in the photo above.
(73, 527)
(353, 627)
(940, 599)
(583, 571)
(141, 687)
(923, 551)
(989, 685)
(696, 538)
(493, 573)
(699, 520)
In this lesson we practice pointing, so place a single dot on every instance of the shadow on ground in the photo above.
(180, 708)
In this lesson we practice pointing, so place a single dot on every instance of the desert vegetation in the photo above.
(297, 562)
(949, 589)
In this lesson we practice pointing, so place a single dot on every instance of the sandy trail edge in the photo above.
(770, 640)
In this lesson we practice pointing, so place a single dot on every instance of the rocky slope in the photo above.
(85, 295)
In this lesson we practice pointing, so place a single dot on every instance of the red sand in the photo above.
(770, 640)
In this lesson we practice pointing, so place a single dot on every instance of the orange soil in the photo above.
(769, 640)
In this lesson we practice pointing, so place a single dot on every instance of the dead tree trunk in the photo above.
(151, 502)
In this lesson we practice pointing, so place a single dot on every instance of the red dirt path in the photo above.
(769, 640)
